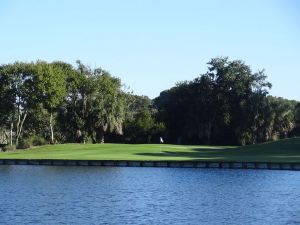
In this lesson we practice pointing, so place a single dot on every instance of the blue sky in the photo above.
(153, 44)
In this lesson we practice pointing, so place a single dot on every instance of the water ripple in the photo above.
(108, 195)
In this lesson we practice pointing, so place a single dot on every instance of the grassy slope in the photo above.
(287, 150)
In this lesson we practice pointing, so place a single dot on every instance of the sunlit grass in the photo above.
(287, 150)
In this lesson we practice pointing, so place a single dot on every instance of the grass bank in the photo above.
(287, 150)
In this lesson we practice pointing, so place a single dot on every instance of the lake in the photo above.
(122, 195)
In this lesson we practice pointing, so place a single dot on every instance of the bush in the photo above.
(24, 143)
(36, 141)
(88, 140)
(7, 148)
(31, 141)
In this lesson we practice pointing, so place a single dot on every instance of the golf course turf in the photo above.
(287, 150)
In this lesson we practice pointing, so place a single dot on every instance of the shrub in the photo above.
(24, 143)
(88, 140)
(36, 141)
(7, 148)
(31, 141)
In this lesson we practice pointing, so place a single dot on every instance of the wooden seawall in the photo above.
(171, 164)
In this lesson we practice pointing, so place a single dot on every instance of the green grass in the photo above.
(287, 150)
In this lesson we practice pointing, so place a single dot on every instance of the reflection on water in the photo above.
(116, 195)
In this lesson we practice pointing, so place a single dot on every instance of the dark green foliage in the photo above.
(140, 125)
(8, 148)
(296, 111)
(227, 105)
(31, 141)
(37, 141)
(54, 102)
(24, 143)
(138, 129)
(94, 106)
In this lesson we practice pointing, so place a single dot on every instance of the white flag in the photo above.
(161, 140)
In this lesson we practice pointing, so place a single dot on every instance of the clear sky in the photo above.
(152, 44)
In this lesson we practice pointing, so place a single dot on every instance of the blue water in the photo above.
(108, 195)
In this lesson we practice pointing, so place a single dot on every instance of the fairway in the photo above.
(287, 150)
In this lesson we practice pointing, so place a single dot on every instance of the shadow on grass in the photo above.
(226, 154)
(196, 154)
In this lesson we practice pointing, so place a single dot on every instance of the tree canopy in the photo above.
(43, 102)
(226, 105)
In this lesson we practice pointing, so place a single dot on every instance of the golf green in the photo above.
(287, 150)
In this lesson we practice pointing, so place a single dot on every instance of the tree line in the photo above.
(43, 102)
(229, 104)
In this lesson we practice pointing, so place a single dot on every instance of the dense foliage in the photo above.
(226, 105)
(44, 102)
(55, 102)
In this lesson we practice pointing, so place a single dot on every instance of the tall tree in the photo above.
(95, 104)
(17, 95)
(50, 81)
(217, 106)
(108, 105)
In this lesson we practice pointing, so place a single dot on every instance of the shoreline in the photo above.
(165, 164)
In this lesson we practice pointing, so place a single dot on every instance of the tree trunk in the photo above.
(20, 127)
(11, 133)
(17, 130)
(51, 129)
(100, 137)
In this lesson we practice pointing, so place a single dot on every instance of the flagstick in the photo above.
(161, 141)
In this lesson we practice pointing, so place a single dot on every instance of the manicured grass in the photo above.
(287, 150)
